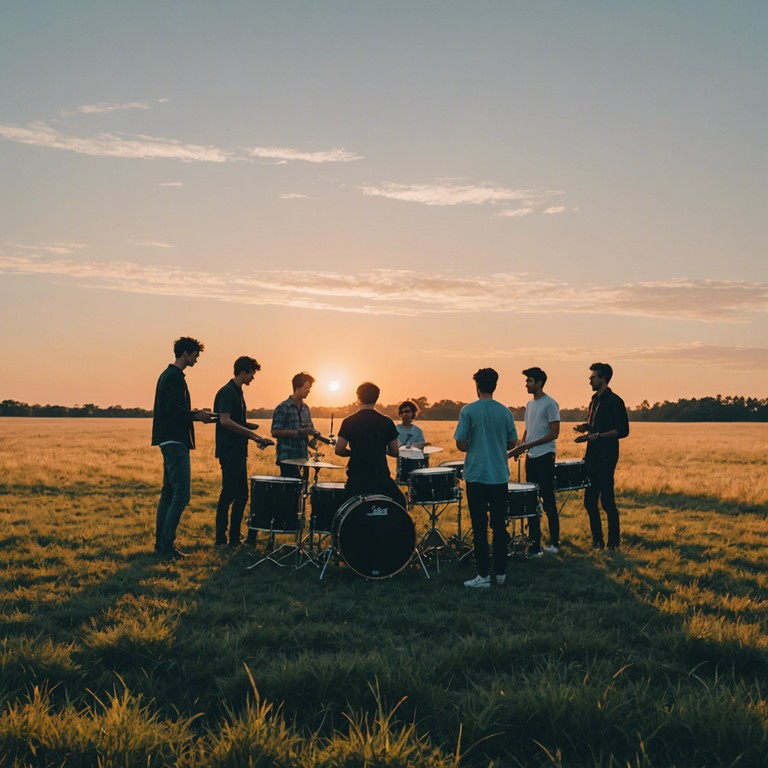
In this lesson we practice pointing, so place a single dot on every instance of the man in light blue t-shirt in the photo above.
(542, 428)
(486, 432)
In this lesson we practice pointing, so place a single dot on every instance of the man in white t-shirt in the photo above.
(542, 428)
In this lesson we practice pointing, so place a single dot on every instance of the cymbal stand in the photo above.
(461, 547)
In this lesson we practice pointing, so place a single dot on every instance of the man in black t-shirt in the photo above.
(233, 432)
(367, 438)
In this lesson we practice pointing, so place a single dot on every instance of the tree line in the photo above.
(718, 408)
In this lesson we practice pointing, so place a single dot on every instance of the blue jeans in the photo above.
(174, 497)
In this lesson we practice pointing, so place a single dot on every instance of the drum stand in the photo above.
(519, 543)
(458, 542)
(433, 541)
(301, 555)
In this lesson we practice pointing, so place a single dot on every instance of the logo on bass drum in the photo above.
(379, 512)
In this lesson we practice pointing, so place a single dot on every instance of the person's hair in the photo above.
(300, 379)
(603, 370)
(187, 344)
(536, 374)
(409, 404)
(246, 364)
(368, 393)
(486, 380)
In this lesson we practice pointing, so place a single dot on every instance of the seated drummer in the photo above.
(409, 435)
(367, 437)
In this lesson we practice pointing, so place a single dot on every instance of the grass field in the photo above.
(656, 656)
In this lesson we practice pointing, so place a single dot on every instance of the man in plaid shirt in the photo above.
(292, 426)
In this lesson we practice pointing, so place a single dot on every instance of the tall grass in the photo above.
(657, 656)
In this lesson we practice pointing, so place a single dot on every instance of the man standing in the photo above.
(607, 423)
(173, 430)
(367, 437)
(292, 425)
(542, 428)
(233, 432)
(486, 432)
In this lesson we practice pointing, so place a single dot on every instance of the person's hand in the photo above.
(205, 416)
(515, 452)
(581, 428)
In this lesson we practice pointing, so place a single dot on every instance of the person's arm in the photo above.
(226, 421)
(393, 448)
(341, 449)
(553, 434)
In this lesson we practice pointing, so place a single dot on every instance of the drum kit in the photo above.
(374, 536)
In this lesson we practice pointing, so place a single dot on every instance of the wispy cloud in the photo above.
(111, 106)
(409, 293)
(292, 196)
(113, 144)
(287, 154)
(59, 249)
(554, 209)
(151, 244)
(450, 193)
(734, 358)
(171, 184)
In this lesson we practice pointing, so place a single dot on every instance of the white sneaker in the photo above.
(552, 549)
(479, 582)
(501, 579)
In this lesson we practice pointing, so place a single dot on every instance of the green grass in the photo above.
(654, 657)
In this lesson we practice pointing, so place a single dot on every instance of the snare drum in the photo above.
(433, 485)
(275, 503)
(523, 500)
(457, 465)
(326, 498)
(571, 475)
(406, 465)
(374, 535)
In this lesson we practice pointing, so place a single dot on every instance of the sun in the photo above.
(333, 385)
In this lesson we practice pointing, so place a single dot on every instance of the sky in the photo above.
(401, 192)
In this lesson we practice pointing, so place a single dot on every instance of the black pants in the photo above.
(234, 491)
(600, 474)
(541, 470)
(489, 502)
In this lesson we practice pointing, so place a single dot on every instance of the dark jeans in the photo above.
(374, 487)
(541, 470)
(489, 501)
(600, 474)
(175, 494)
(234, 491)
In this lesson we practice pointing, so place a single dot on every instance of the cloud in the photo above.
(171, 184)
(108, 106)
(292, 196)
(554, 209)
(514, 212)
(151, 244)
(449, 193)
(286, 154)
(114, 144)
(410, 293)
(59, 249)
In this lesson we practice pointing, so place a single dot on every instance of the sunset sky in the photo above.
(396, 191)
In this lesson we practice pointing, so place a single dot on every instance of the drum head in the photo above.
(374, 535)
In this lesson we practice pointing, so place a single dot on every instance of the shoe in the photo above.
(598, 544)
(176, 554)
(552, 549)
(479, 582)
(535, 550)
(501, 578)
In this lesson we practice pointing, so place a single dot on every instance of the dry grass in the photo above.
(655, 657)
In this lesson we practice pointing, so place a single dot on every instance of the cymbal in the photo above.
(311, 463)
(427, 449)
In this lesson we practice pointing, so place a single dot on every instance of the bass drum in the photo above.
(374, 535)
